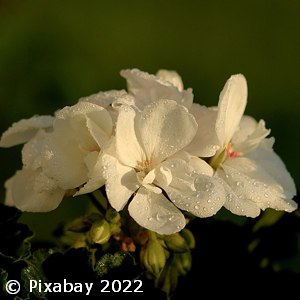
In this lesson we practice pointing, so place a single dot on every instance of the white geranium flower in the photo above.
(145, 160)
(24, 130)
(253, 176)
(71, 152)
(63, 159)
(30, 185)
(147, 88)
(110, 100)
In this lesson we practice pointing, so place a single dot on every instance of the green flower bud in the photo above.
(153, 257)
(168, 278)
(183, 262)
(100, 232)
(112, 216)
(175, 242)
(189, 238)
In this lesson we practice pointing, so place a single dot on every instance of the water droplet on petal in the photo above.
(196, 207)
(266, 195)
(229, 197)
(239, 184)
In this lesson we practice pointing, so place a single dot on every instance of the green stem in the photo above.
(97, 204)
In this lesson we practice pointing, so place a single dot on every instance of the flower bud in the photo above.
(175, 242)
(168, 278)
(183, 262)
(153, 257)
(112, 216)
(100, 232)
(189, 238)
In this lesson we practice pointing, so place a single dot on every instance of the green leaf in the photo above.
(3, 280)
(110, 261)
(34, 270)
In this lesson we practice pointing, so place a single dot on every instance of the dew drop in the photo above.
(229, 197)
(266, 195)
(171, 218)
(239, 184)
(196, 207)
(209, 201)
(209, 185)
(150, 218)
(204, 208)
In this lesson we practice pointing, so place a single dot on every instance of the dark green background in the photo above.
(53, 52)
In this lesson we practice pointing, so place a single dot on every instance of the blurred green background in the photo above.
(53, 52)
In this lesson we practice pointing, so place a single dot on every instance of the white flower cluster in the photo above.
(153, 149)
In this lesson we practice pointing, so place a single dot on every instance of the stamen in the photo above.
(144, 165)
(230, 153)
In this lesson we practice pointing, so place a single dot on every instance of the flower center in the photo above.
(230, 153)
(221, 156)
(144, 166)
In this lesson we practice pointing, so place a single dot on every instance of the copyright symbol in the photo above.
(12, 287)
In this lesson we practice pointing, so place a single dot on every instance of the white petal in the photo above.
(148, 88)
(63, 160)
(121, 181)
(33, 191)
(246, 127)
(128, 146)
(252, 140)
(94, 164)
(165, 175)
(78, 130)
(154, 212)
(8, 191)
(73, 121)
(189, 190)
(22, 131)
(181, 175)
(197, 164)
(232, 103)
(32, 151)
(148, 179)
(171, 76)
(250, 181)
(241, 206)
(104, 99)
(205, 142)
(100, 126)
(205, 201)
(165, 128)
(272, 163)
